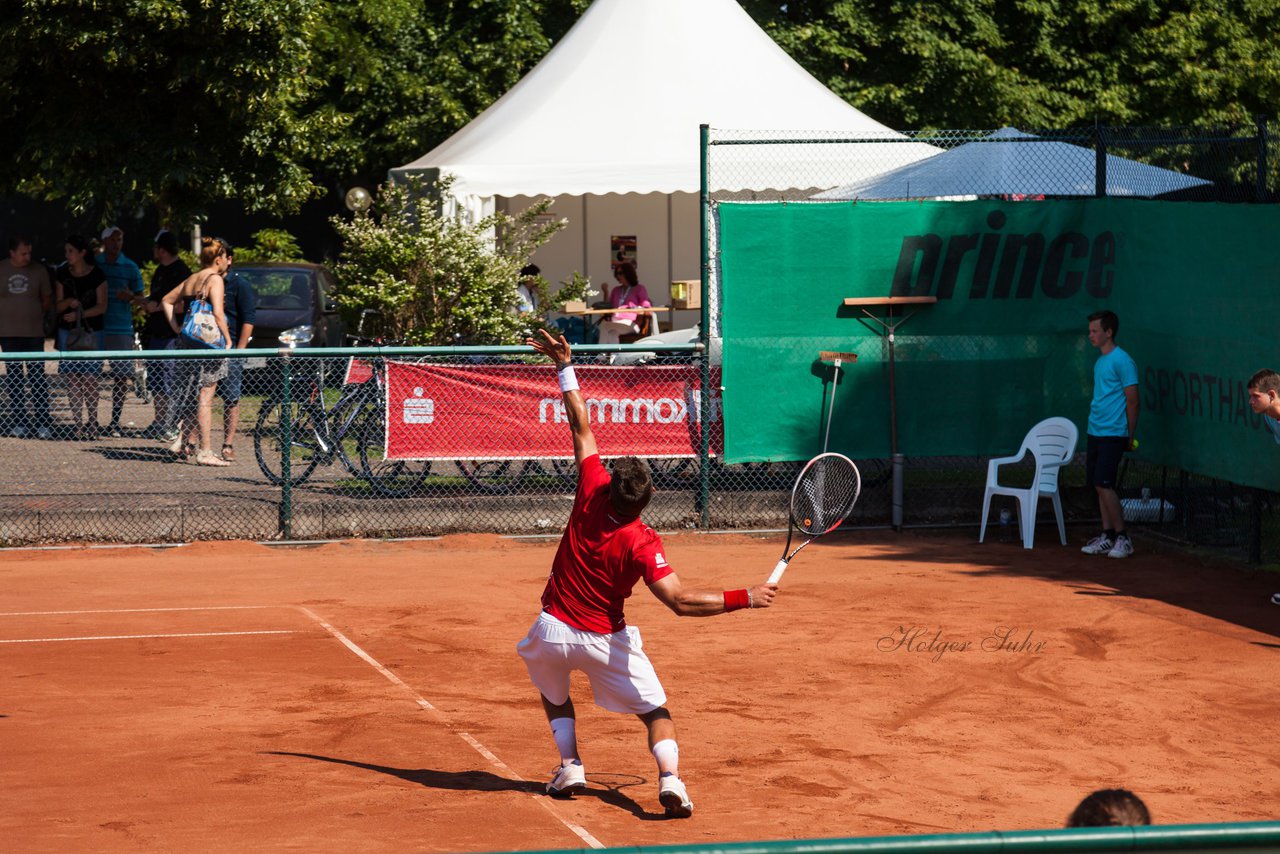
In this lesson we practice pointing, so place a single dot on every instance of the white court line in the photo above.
(135, 637)
(138, 610)
(578, 830)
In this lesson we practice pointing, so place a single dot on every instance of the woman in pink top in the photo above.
(628, 292)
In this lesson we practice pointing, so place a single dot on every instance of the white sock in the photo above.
(667, 753)
(564, 730)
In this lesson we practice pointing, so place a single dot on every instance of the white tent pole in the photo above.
(585, 242)
(671, 262)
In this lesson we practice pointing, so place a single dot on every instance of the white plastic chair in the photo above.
(1052, 443)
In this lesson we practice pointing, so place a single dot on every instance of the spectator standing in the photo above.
(197, 379)
(124, 289)
(1113, 418)
(157, 334)
(26, 294)
(240, 305)
(1264, 399)
(80, 292)
(527, 290)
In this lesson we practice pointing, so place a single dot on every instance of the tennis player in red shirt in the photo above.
(605, 550)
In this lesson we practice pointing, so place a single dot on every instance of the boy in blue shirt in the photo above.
(1264, 399)
(1113, 418)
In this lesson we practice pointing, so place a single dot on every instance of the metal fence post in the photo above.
(1261, 189)
(286, 449)
(704, 418)
(1100, 160)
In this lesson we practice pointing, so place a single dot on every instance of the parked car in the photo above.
(293, 294)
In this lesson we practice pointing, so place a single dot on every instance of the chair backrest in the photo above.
(1052, 440)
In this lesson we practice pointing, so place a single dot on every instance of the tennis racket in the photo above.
(825, 492)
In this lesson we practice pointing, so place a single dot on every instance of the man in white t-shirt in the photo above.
(1264, 399)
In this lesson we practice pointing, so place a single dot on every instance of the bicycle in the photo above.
(351, 430)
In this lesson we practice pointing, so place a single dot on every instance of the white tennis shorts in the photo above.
(622, 677)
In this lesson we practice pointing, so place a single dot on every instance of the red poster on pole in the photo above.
(513, 412)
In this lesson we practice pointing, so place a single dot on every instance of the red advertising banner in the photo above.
(358, 371)
(513, 412)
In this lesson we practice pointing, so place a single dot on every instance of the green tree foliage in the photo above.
(115, 104)
(435, 279)
(112, 104)
(269, 244)
(1037, 63)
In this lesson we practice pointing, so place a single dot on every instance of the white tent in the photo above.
(615, 109)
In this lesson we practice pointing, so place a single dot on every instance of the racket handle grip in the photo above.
(776, 575)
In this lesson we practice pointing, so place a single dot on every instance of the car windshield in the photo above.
(279, 288)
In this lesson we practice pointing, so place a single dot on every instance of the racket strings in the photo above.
(824, 494)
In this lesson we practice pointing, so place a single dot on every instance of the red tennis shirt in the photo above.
(601, 557)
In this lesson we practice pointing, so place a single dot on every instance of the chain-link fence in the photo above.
(1182, 164)
(79, 476)
(1230, 163)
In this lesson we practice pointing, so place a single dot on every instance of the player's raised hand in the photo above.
(762, 595)
(556, 349)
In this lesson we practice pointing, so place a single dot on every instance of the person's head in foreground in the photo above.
(630, 487)
(1264, 390)
(1110, 808)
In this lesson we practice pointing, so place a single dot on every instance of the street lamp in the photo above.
(358, 200)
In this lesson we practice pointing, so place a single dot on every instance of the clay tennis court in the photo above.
(366, 696)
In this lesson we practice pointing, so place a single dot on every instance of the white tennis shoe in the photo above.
(1099, 545)
(674, 798)
(565, 780)
(1123, 547)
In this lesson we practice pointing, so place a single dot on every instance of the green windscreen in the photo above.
(1196, 288)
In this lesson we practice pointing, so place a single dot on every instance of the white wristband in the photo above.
(568, 382)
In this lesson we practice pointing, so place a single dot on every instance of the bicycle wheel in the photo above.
(487, 475)
(268, 442)
(347, 427)
(388, 478)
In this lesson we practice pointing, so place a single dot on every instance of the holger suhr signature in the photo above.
(919, 639)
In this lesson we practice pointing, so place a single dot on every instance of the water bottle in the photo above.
(1005, 517)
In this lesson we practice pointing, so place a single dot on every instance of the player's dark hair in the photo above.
(1110, 808)
(1110, 323)
(1264, 380)
(631, 486)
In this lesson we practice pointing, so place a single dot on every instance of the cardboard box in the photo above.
(575, 305)
(686, 293)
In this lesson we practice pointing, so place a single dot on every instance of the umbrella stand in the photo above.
(890, 327)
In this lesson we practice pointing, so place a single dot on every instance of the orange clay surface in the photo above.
(203, 705)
